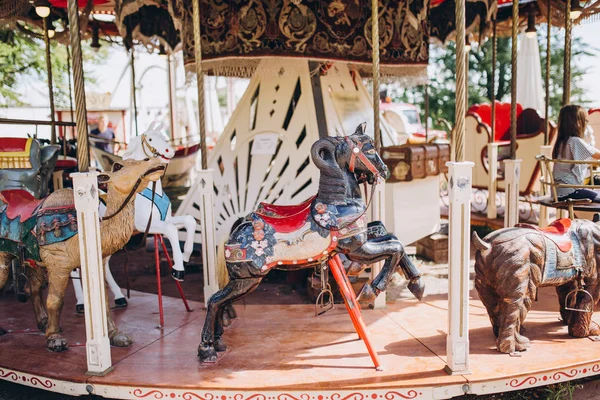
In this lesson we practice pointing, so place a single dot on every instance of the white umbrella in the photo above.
(530, 89)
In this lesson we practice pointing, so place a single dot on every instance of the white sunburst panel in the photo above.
(279, 100)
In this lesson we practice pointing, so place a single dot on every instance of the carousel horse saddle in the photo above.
(19, 203)
(557, 232)
(285, 219)
(272, 210)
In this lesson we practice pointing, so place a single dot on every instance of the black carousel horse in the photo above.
(313, 233)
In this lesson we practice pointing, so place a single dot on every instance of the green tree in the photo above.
(23, 58)
(442, 76)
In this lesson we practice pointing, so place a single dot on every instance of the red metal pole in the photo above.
(179, 288)
(160, 304)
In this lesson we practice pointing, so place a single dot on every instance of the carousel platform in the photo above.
(284, 352)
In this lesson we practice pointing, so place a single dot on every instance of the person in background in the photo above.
(570, 145)
(103, 132)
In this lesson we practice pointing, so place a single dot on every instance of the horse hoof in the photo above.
(416, 287)
(56, 343)
(367, 294)
(121, 303)
(178, 275)
(79, 309)
(220, 345)
(2, 332)
(207, 354)
(121, 340)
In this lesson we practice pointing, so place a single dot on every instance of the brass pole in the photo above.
(493, 99)
(461, 86)
(70, 90)
(427, 112)
(83, 144)
(133, 91)
(50, 86)
(513, 83)
(547, 77)
(376, 100)
(567, 59)
(200, 82)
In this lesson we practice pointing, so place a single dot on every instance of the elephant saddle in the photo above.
(557, 232)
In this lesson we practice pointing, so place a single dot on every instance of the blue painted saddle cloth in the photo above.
(162, 202)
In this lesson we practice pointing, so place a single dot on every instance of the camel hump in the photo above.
(60, 198)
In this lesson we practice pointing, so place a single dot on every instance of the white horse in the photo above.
(152, 143)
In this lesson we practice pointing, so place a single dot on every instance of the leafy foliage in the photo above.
(23, 61)
(442, 74)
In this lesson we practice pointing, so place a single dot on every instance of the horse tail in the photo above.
(480, 244)
(222, 273)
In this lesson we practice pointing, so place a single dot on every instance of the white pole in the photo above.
(378, 214)
(492, 211)
(92, 273)
(459, 224)
(204, 190)
(512, 172)
(545, 211)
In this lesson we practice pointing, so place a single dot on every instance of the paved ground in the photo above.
(282, 288)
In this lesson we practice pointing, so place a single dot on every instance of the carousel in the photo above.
(310, 173)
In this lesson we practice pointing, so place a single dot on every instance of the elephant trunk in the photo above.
(480, 244)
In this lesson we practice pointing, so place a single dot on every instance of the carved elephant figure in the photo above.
(34, 178)
(512, 263)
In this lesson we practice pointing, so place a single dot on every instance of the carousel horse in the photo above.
(43, 233)
(312, 233)
(512, 263)
(151, 144)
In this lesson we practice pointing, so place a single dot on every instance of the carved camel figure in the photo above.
(512, 263)
(60, 255)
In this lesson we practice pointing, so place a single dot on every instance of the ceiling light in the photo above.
(51, 30)
(576, 9)
(42, 8)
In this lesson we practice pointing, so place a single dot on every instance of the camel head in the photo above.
(128, 175)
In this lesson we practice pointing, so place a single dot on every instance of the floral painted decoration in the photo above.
(257, 238)
(324, 218)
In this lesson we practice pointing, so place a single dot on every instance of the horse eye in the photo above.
(150, 139)
(146, 159)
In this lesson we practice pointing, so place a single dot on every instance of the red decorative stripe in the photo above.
(191, 395)
(561, 374)
(47, 383)
(10, 375)
(157, 394)
(411, 394)
(529, 380)
(353, 396)
(596, 368)
(287, 396)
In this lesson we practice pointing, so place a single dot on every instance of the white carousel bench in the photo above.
(530, 137)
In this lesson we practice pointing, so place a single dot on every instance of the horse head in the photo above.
(133, 175)
(151, 143)
(355, 153)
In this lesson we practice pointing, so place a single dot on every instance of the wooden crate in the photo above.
(434, 248)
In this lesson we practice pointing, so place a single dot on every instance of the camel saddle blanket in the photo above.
(56, 224)
(17, 224)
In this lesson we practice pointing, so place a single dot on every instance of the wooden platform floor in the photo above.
(284, 350)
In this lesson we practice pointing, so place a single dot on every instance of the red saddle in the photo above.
(19, 203)
(285, 219)
(557, 231)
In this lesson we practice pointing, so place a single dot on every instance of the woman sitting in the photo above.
(570, 145)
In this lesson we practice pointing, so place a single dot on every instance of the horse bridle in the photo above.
(358, 153)
(153, 151)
